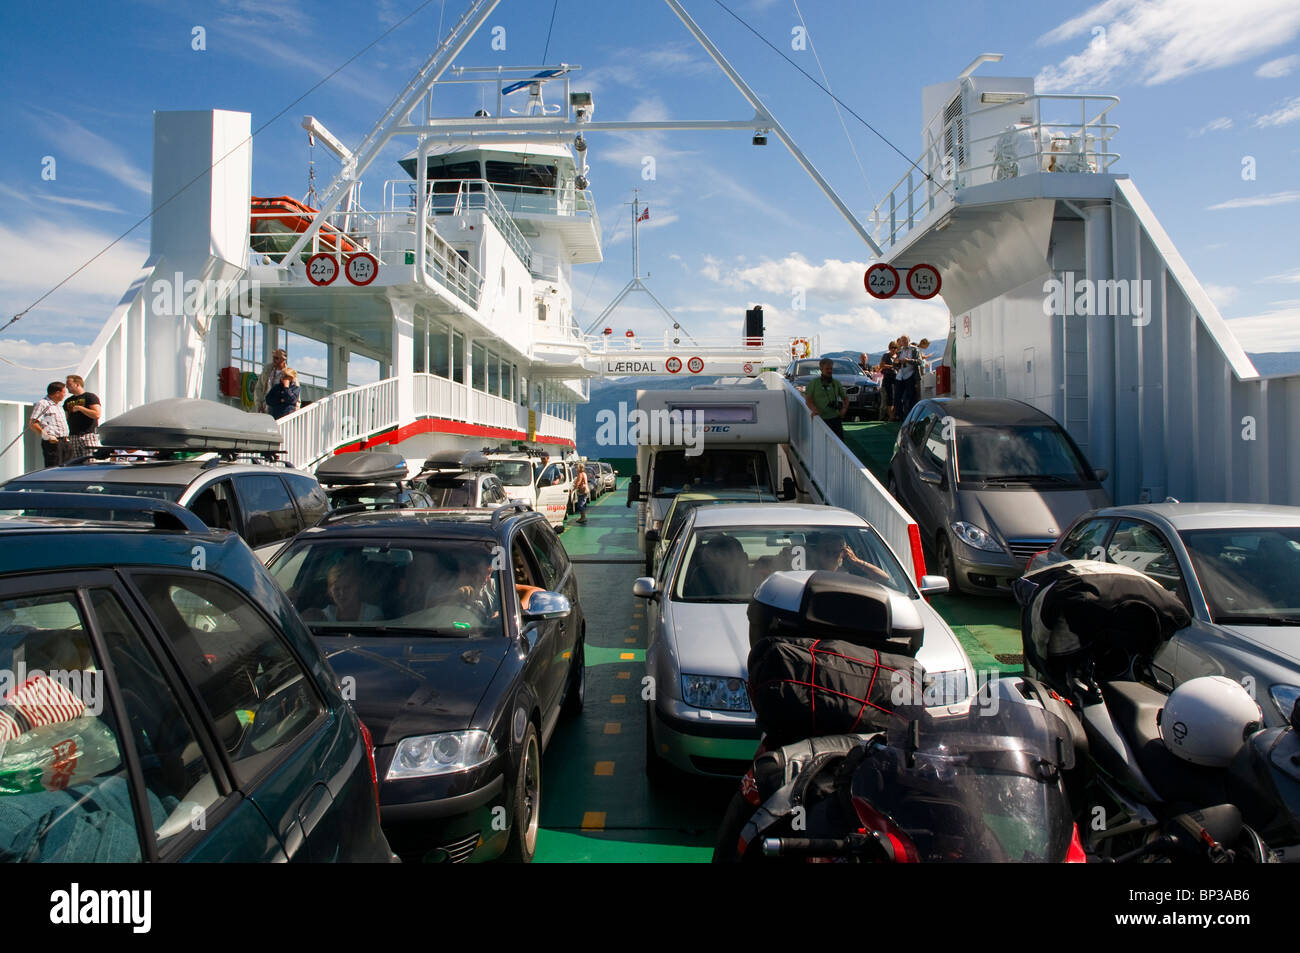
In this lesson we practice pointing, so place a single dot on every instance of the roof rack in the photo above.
(363, 468)
(457, 460)
(166, 515)
(191, 424)
(513, 508)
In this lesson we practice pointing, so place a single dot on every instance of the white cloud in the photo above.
(1289, 277)
(1156, 41)
(1287, 113)
(92, 149)
(1256, 201)
(1214, 125)
(1271, 331)
(1221, 295)
(1276, 69)
(27, 366)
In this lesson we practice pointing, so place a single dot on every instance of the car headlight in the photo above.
(716, 692)
(976, 538)
(946, 688)
(426, 756)
(1284, 697)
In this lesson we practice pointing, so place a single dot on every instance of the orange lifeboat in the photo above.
(276, 223)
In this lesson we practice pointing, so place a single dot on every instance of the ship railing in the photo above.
(468, 195)
(1021, 146)
(614, 343)
(840, 479)
(343, 417)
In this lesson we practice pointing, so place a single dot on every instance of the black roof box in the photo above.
(457, 460)
(188, 423)
(367, 466)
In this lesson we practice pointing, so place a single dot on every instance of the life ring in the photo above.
(800, 348)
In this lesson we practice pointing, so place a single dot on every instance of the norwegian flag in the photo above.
(37, 702)
(644, 216)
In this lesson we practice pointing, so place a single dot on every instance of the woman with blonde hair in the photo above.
(285, 396)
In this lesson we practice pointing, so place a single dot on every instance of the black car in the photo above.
(862, 391)
(461, 637)
(164, 700)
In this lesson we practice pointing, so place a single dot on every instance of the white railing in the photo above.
(439, 397)
(841, 480)
(316, 431)
(1018, 147)
(551, 426)
(492, 411)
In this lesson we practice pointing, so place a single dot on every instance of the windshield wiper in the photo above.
(1258, 619)
(337, 628)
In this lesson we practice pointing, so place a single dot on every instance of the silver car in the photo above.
(990, 482)
(699, 719)
(1236, 566)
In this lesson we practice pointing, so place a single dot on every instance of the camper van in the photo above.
(706, 440)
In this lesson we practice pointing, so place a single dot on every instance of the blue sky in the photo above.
(1203, 85)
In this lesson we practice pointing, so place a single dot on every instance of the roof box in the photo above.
(458, 460)
(356, 469)
(189, 423)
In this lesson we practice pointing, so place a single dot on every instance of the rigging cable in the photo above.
(546, 49)
(346, 63)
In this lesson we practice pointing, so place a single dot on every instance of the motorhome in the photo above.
(732, 439)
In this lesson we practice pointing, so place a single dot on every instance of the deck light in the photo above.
(760, 137)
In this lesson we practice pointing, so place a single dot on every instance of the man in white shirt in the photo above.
(50, 423)
(907, 384)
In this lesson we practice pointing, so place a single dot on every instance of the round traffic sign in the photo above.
(923, 281)
(749, 368)
(695, 365)
(881, 280)
(362, 268)
(673, 365)
(322, 268)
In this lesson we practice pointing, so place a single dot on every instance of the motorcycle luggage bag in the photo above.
(834, 605)
(804, 687)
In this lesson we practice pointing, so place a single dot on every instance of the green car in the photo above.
(681, 505)
(161, 700)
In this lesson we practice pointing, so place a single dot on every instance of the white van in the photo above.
(739, 442)
(524, 478)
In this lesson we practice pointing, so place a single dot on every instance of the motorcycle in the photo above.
(1090, 631)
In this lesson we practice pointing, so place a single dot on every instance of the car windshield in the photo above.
(838, 368)
(1030, 454)
(711, 470)
(727, 564)
(514, 472)
(153, 491)
(379, 587)
(450, 491)
(1248, 575)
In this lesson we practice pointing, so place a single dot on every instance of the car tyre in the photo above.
(891, 485)
(657, 771)
(526, 801)
(948, 563)
(576, 693)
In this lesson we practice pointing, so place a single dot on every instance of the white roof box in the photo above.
(188, 423)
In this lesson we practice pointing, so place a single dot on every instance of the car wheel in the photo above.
(526, 803)
(948, 563)
(891, 485)
(657, 770)
(575, 695)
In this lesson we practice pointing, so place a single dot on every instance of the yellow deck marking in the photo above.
(629, 641)
(613, 728)
(604, 769)
(593, 821)
(618, 699)
(623, 675)
(633, 628)
(627, 655)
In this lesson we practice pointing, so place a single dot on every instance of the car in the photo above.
(459, 478)
(990, 482)
(374, 479)
(608, 479)
(1235, 566)
(216, 461)
(862, 391)
(699, 719)
(163, 700)
(594, 480)
(678, 510)
(463, 636)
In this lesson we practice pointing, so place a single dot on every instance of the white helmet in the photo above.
(1207, 719)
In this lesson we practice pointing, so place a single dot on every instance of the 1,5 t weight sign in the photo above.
(322, 268)
(923, 281)
(362, 268)
(881, 281)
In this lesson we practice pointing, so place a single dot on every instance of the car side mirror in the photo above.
(547, 605)
(1100, 474)
(932, 477)
(634, 489)
(652, 536)
(934, 585)
(788, 490)
(645, 588)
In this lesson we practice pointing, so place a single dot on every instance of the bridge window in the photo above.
(527, 177)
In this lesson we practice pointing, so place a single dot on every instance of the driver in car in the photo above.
(343, 585)
(829, 551)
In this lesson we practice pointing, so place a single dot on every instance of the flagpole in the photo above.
(636, 248)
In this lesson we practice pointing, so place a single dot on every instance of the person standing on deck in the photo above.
(269, 378)
(888, 370)
(827, 398)
(51, 425)
(285, 397)
(907, 384)
(583, 490)
(82, 411)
